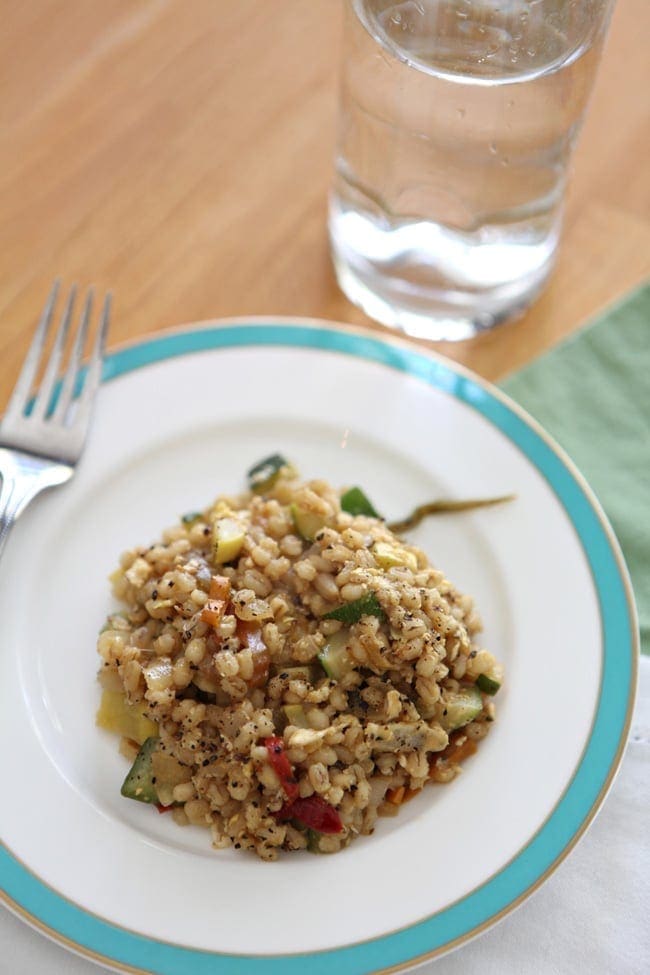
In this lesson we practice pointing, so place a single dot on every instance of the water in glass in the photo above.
(457, 122)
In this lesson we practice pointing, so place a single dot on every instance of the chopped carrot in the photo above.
(220, 588)
(261, 664)
(212, 612)
(461, 752)
(396, 796)
(250, 634)
(400, 795)
(455, 752)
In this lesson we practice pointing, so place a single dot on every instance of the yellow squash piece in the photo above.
(387, 556)
(227, 539)
(117, 715)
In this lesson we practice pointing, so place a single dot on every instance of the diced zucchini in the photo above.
(129, 720)
(387, 556)
(139, 782)
(227, 539)
(263, 475)
(313, 841)
(334, 656)
(308, 523)
(355, 502)
(460, 707)
(352, 612)
(487, 684)
(191, 518)
(295, 715)
(167, 772)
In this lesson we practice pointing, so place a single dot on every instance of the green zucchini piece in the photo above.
(355, 502)
(263, 475)
(460, 707)
(191, 518)
(139, 782)
(295, 715)
(334, 656)
(487, 684)
(313, 841)
(308, 523)
(352, 612)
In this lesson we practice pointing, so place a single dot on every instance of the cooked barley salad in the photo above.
(287, 669)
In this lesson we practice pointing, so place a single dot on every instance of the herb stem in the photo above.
(444, 506)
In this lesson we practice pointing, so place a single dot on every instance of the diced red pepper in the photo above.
(162, 809)
(312, 812)
(281, 765)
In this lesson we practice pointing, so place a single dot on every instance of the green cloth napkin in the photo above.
(592, 393)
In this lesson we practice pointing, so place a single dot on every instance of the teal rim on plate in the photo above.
(86, 934)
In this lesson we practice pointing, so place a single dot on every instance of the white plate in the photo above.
(181, 419)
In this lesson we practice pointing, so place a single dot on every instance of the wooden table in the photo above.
(180, 153)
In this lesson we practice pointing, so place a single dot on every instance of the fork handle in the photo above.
(23, 477)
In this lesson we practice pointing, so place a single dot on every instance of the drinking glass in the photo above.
(457, 123)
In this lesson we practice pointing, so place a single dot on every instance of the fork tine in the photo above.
(70, 378)
(94, 374)
(44, 396)
(20, 396)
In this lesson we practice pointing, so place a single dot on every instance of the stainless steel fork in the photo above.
(42, 438)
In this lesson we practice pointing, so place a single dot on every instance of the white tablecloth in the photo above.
(592, 917)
